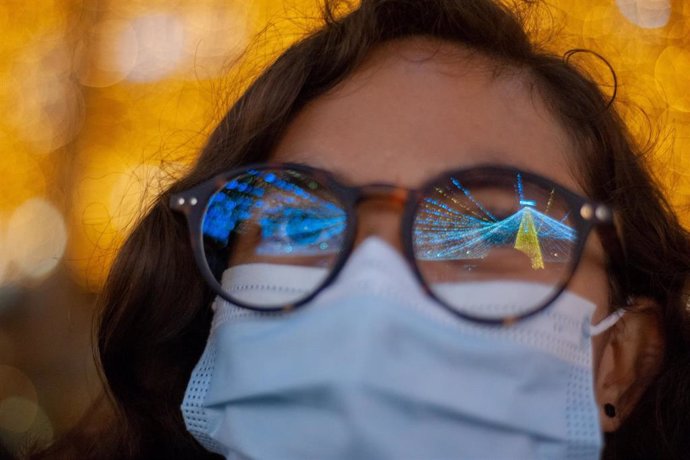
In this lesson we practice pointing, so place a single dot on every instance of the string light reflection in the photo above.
(290, 213)
(454, 225)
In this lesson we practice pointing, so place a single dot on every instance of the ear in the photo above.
(631, 359)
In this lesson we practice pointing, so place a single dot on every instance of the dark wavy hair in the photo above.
(156, 307)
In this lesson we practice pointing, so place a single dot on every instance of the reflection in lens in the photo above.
(267, 221)
(499, 229)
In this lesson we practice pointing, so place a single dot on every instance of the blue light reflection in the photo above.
(277, 215)
(450, 227)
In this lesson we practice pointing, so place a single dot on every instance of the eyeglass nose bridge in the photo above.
(382, 190)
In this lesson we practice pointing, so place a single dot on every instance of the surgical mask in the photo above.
(373, 368)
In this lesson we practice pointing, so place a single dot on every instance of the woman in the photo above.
(510, 286)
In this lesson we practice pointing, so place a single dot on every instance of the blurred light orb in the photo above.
(648, 14)
(18, 400)
(214, 35)
(31, 425)
(107, 54)
(59, 113)
(23, 179)
(598, 23)
(17, 414)
(36, 237)
(48, 106)
(159, 47)
(671, 72)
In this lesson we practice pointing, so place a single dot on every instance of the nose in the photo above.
(379, 212)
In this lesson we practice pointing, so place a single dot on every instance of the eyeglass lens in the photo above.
(272, 237)
(470, 235)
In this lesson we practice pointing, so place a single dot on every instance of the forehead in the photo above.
(418, 107)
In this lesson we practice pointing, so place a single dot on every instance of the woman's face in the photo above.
(418, 107)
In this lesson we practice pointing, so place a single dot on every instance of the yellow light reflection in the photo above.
(527, 240)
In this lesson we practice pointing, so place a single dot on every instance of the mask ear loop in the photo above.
(609, 321)
(606, 323)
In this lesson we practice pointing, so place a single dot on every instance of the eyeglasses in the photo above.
(468, 226)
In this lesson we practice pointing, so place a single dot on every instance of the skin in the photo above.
(418, 107)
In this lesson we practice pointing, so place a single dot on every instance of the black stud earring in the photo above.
(610, 410)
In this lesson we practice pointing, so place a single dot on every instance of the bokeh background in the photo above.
(105, 101)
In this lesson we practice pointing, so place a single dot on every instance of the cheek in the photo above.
(590, 281)
(592, 284)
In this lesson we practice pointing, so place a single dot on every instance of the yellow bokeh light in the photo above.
(132, 193)
(154, 79)
(649, 14)
(29, 424)
(599, 23)
(160, 40)
(106, 54)
(215, 35)
(18, 400)
(17, 414)
(47, 106)
(22, 176)
(23, 22)
(108, 201)
(671, 72)
(36, 237)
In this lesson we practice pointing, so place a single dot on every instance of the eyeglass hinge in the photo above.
(192, 201)
(601, 212)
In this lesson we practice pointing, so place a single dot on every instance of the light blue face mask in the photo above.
(374, 369)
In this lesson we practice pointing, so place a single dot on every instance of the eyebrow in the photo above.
(483, 157)
(315, 162)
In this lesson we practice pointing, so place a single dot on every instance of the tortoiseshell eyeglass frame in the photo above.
(586, 215)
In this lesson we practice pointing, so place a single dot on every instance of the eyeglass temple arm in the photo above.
(617, 258)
